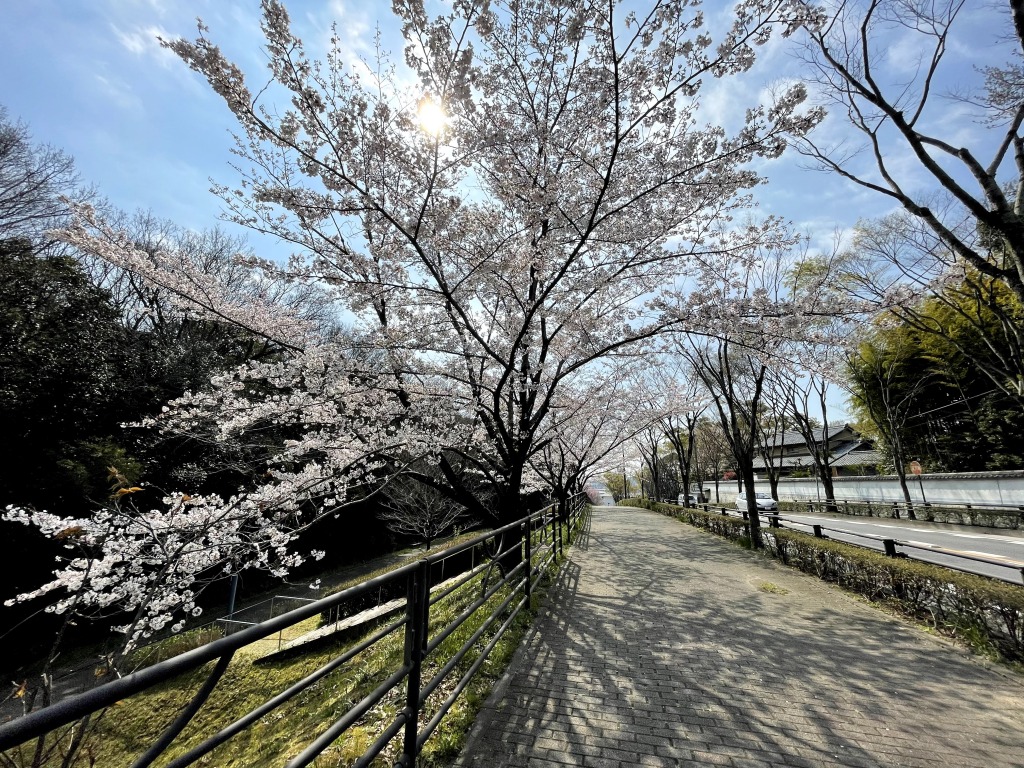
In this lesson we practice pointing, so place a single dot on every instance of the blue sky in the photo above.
(91, 78)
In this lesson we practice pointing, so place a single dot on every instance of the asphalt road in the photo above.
(1004, 547)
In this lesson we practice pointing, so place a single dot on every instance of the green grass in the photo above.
(126, 729)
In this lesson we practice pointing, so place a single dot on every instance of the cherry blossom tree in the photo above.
(487, 257)
(590, 420)
(712, 453)
(774, 421)
(501, 252)
(675, 398)
(734, 375)
(743, 349)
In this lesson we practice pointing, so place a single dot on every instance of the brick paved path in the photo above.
(663, 648)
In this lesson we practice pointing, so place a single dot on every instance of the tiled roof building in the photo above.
(849, 452)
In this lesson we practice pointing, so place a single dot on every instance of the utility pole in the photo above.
(625, 480)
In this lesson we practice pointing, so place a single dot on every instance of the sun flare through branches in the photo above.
(431, 115)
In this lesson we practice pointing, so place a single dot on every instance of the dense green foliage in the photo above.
(916, 382)
(65, 381)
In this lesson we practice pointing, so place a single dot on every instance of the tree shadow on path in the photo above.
(662, 645)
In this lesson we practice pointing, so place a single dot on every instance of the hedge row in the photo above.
(957, 515)
(976, 609)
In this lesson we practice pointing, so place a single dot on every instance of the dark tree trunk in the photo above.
(830, 493)
(753, 520)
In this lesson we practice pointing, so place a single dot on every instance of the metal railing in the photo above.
(976, 513)
(522, 553)
(890, 546)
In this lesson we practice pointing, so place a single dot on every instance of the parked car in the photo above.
(763, 500)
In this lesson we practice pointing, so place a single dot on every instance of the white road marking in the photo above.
(983, 536)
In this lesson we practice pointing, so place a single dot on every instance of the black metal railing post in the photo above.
(556, 522)
(527, 529)
(417, 616)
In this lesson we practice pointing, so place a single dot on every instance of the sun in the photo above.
(432, 116)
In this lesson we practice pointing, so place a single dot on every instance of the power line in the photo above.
(950, 405)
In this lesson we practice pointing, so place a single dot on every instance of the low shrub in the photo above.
(732, 528)
(963, 604)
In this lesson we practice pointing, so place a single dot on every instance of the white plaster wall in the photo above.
(996, 488)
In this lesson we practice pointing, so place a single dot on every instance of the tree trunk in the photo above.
(753, 520)
(510, 508)
(902, 475)
(562, 497)
(830, 493)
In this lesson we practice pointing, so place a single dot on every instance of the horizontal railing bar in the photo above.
(916, 504)
(1015, 565)
(182, 720)
(464, 680)
(436, 597)
(956, 553)
(271, 704)
(541, 568)
(466, 646)
(459, 620)
(463, 546)
(382, 741)
(343, 723)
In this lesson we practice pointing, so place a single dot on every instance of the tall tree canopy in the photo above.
(962, 194)
(928, 401)
(494, 229)
(36, 181)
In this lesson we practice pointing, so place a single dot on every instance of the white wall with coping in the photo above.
(997, 488)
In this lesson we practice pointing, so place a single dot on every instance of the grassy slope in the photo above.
(125, 730)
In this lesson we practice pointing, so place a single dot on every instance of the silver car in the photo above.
(763, 501)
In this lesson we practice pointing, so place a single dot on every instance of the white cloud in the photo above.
(118, 92)
(142, 41)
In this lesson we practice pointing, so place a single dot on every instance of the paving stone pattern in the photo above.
(665, 646)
